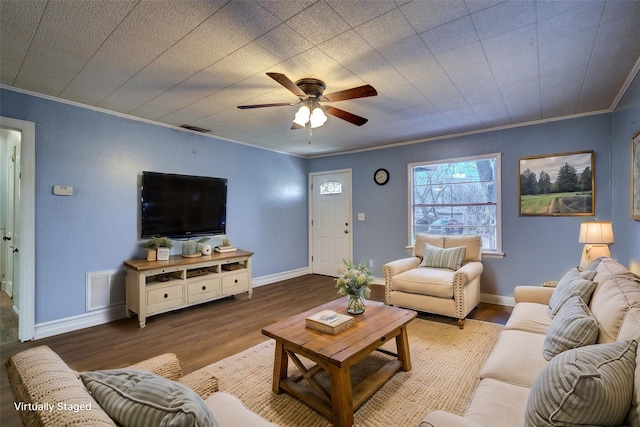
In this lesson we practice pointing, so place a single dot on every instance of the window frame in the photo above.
(498, 159)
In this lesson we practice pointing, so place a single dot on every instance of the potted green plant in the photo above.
(164, 246)
(158, 248)
(354, 283)
(151, 246)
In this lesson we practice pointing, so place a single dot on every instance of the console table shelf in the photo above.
(155, 287)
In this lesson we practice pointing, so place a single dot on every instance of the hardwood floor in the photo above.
(198, 335)
(8, 320)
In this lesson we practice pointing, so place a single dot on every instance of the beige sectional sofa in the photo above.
(520, 387)
(49, 393)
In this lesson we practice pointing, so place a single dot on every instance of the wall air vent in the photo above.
(195, 128)
(104, 289)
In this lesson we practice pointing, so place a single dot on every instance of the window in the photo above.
(332, 187)
(457, 196)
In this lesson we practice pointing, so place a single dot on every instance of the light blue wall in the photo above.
(102, 155)
(536, 248)
(626, 123)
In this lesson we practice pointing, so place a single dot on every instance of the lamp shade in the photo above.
(596, 232)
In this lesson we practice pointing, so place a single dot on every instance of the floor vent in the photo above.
(195, 128)
(104, 289)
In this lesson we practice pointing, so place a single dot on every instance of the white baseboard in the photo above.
(272, 278)
(497, 299)
(81, 321)
(116, 312)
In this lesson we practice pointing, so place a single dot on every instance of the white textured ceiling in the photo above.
(440, 67)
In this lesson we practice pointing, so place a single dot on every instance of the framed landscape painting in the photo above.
(557, 184)
(635, 177)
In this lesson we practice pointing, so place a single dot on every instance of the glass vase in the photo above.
(355, 305)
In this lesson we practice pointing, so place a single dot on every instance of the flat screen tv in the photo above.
(183, 205)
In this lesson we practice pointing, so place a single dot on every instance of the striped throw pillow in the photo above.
(443, 258)
(138, 398)
(571, 284)
(590, 385)
(573, 327)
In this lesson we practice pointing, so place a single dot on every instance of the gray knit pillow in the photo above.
(590, 385)
(136, 398)
(443, 258)
(572, 327)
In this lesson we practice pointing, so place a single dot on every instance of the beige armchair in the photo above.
(440, 282)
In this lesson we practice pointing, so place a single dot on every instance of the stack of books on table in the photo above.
(225, 249)
(329, 322)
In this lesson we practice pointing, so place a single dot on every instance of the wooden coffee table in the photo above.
(335, 354)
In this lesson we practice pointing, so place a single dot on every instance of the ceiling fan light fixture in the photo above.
(318, 118)
(302, 116)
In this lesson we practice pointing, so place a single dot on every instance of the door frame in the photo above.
(26, 325)
(310, 208)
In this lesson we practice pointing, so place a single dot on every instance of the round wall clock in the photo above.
(381, 176)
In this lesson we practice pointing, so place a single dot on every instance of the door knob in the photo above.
(346, 231)
(5, 238)
(15, 250)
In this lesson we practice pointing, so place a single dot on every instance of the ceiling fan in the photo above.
(310, 93)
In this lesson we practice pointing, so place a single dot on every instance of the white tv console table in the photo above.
(154, 287)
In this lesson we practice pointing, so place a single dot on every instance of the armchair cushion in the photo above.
(437, 282)
(422, 238)
(473, 245)
(443, 258)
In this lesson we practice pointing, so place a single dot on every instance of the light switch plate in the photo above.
(361, 216)
(62, 190)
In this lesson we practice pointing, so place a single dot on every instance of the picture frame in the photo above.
(635, 177)
(561, 184)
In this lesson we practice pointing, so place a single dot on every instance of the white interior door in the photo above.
(15, 224)
(8, 238)
(331, 230)
(24, 224)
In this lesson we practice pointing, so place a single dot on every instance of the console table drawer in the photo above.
(204, 289)
(164, 298)
(235, 283)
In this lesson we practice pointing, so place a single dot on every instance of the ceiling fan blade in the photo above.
(278, 104)
(353, 93)
(286, 82)
(345, 115)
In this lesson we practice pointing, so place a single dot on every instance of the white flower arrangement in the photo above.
(355, 281)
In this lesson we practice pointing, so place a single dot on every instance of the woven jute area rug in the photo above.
(445, 365)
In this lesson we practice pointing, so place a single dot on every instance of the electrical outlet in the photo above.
(361, 216)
